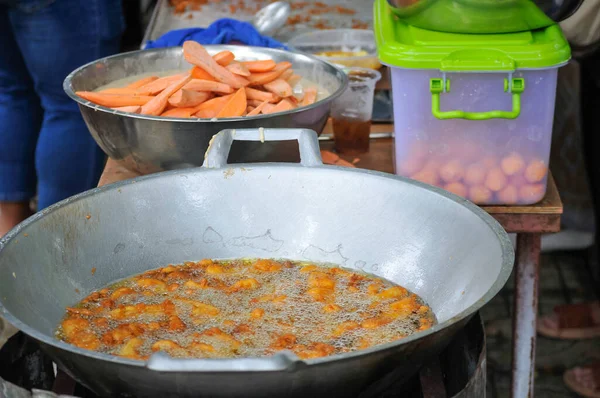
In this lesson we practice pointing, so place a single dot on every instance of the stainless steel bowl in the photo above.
(149, 144)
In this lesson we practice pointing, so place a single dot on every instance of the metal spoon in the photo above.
(271, 18)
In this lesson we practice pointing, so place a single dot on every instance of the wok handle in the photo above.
(280, 362)
(220, 145)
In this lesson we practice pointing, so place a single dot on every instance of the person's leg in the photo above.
(20, 120)
(55, 40)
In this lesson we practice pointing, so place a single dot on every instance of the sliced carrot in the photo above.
(159, 85)
(187, 98)
(258, 109)
(199, 73)
(157, 105)
(121, 90)
(260, 66)
(294, 79)
(238, 69)
(224, 58)
(179, 112)
(208, 85)
(141, 82)
(210, 108)
(287, 74)
(258, 79)
(114, 100)
(310, 96)
(197, 55)
(129, 109)
(282, 106)
(259, 95)
(279, 87)
(236, 106)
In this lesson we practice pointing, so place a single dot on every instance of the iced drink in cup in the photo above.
(352, 111)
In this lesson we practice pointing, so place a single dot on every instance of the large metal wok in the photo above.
(441, 247)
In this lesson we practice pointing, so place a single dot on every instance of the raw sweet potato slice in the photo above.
(238, 69)
(197, 55)
(201, 74)
(282, 106)
(208, 85)
(287, 74)
(258, 79)
(114, 100)
(224, 58)
(122, 90)
(260, 66)
(187, 98)
(279, 87)
(259, 95)
(179, 112)
(141, 82)
(310, 96)
(210, 108)
(294, 79)
(236, 106)
(129, 109)
(258, 109)
(158, 85)
(157, 105)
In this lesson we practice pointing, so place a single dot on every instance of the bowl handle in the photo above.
(280, 362)
(219, 146)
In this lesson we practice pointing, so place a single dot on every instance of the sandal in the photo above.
(572, 321)
(584, 380)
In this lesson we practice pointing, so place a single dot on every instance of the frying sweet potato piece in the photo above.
(208, 85)
(236, 106)
(310, 96)
(238, 69)
(258, 79)
(158, 85)
(142, 82)
(201, 74)
(260, 66)
(187, 98)
(179, 112)
(197, 55)
(258, 109)
(130, 109)
(224, 58)
(157, 105)
(210, 108)
(259, 95)
(114, 100)
(294, 79)
(279, 87)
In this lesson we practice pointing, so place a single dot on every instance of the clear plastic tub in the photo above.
(494, 161)
(345, 47)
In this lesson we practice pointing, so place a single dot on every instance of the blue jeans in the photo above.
(45, 145)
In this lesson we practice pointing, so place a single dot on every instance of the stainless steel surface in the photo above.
(445, 249)
(164, 20)
(557, 10)
(271, 18)
(150, 144)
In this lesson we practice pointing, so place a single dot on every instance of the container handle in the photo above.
(281, 362)
(220, 145)
(437, 87)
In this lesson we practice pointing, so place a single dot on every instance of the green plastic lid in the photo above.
(405, 46)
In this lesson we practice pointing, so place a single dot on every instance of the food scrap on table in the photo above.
(333, 159)
(217, 86)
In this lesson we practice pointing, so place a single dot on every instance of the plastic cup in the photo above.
(352, 111)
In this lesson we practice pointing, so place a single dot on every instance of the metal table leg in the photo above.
(525, 314)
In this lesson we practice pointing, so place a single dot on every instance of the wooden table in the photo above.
(528, 222)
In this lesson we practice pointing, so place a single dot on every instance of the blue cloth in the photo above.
(222, 31)
(44, 142)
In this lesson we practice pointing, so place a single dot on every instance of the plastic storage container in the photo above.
(346, 47)
(473, 113)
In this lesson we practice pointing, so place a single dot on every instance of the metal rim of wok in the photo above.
(333, 69)
(503, 275)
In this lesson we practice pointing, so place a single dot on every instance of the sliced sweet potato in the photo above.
(260, 66)
(310, 96)
(236, 106)
(158, 85)
(197, 55)
(282, 106)
(157, 105)
(254, 103)
(188, 98)
(287, 74)
(294, 79)
(208, 85)
(141, 82)
(249, 108)
(279, 87)
(238, 69)
(224, 58)
(179, 112)
(258, 109)
(122, 90)
(259, 95)
(199, 73)
(114, 100)
(210, 108)
(129, 109)
(259, 79)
